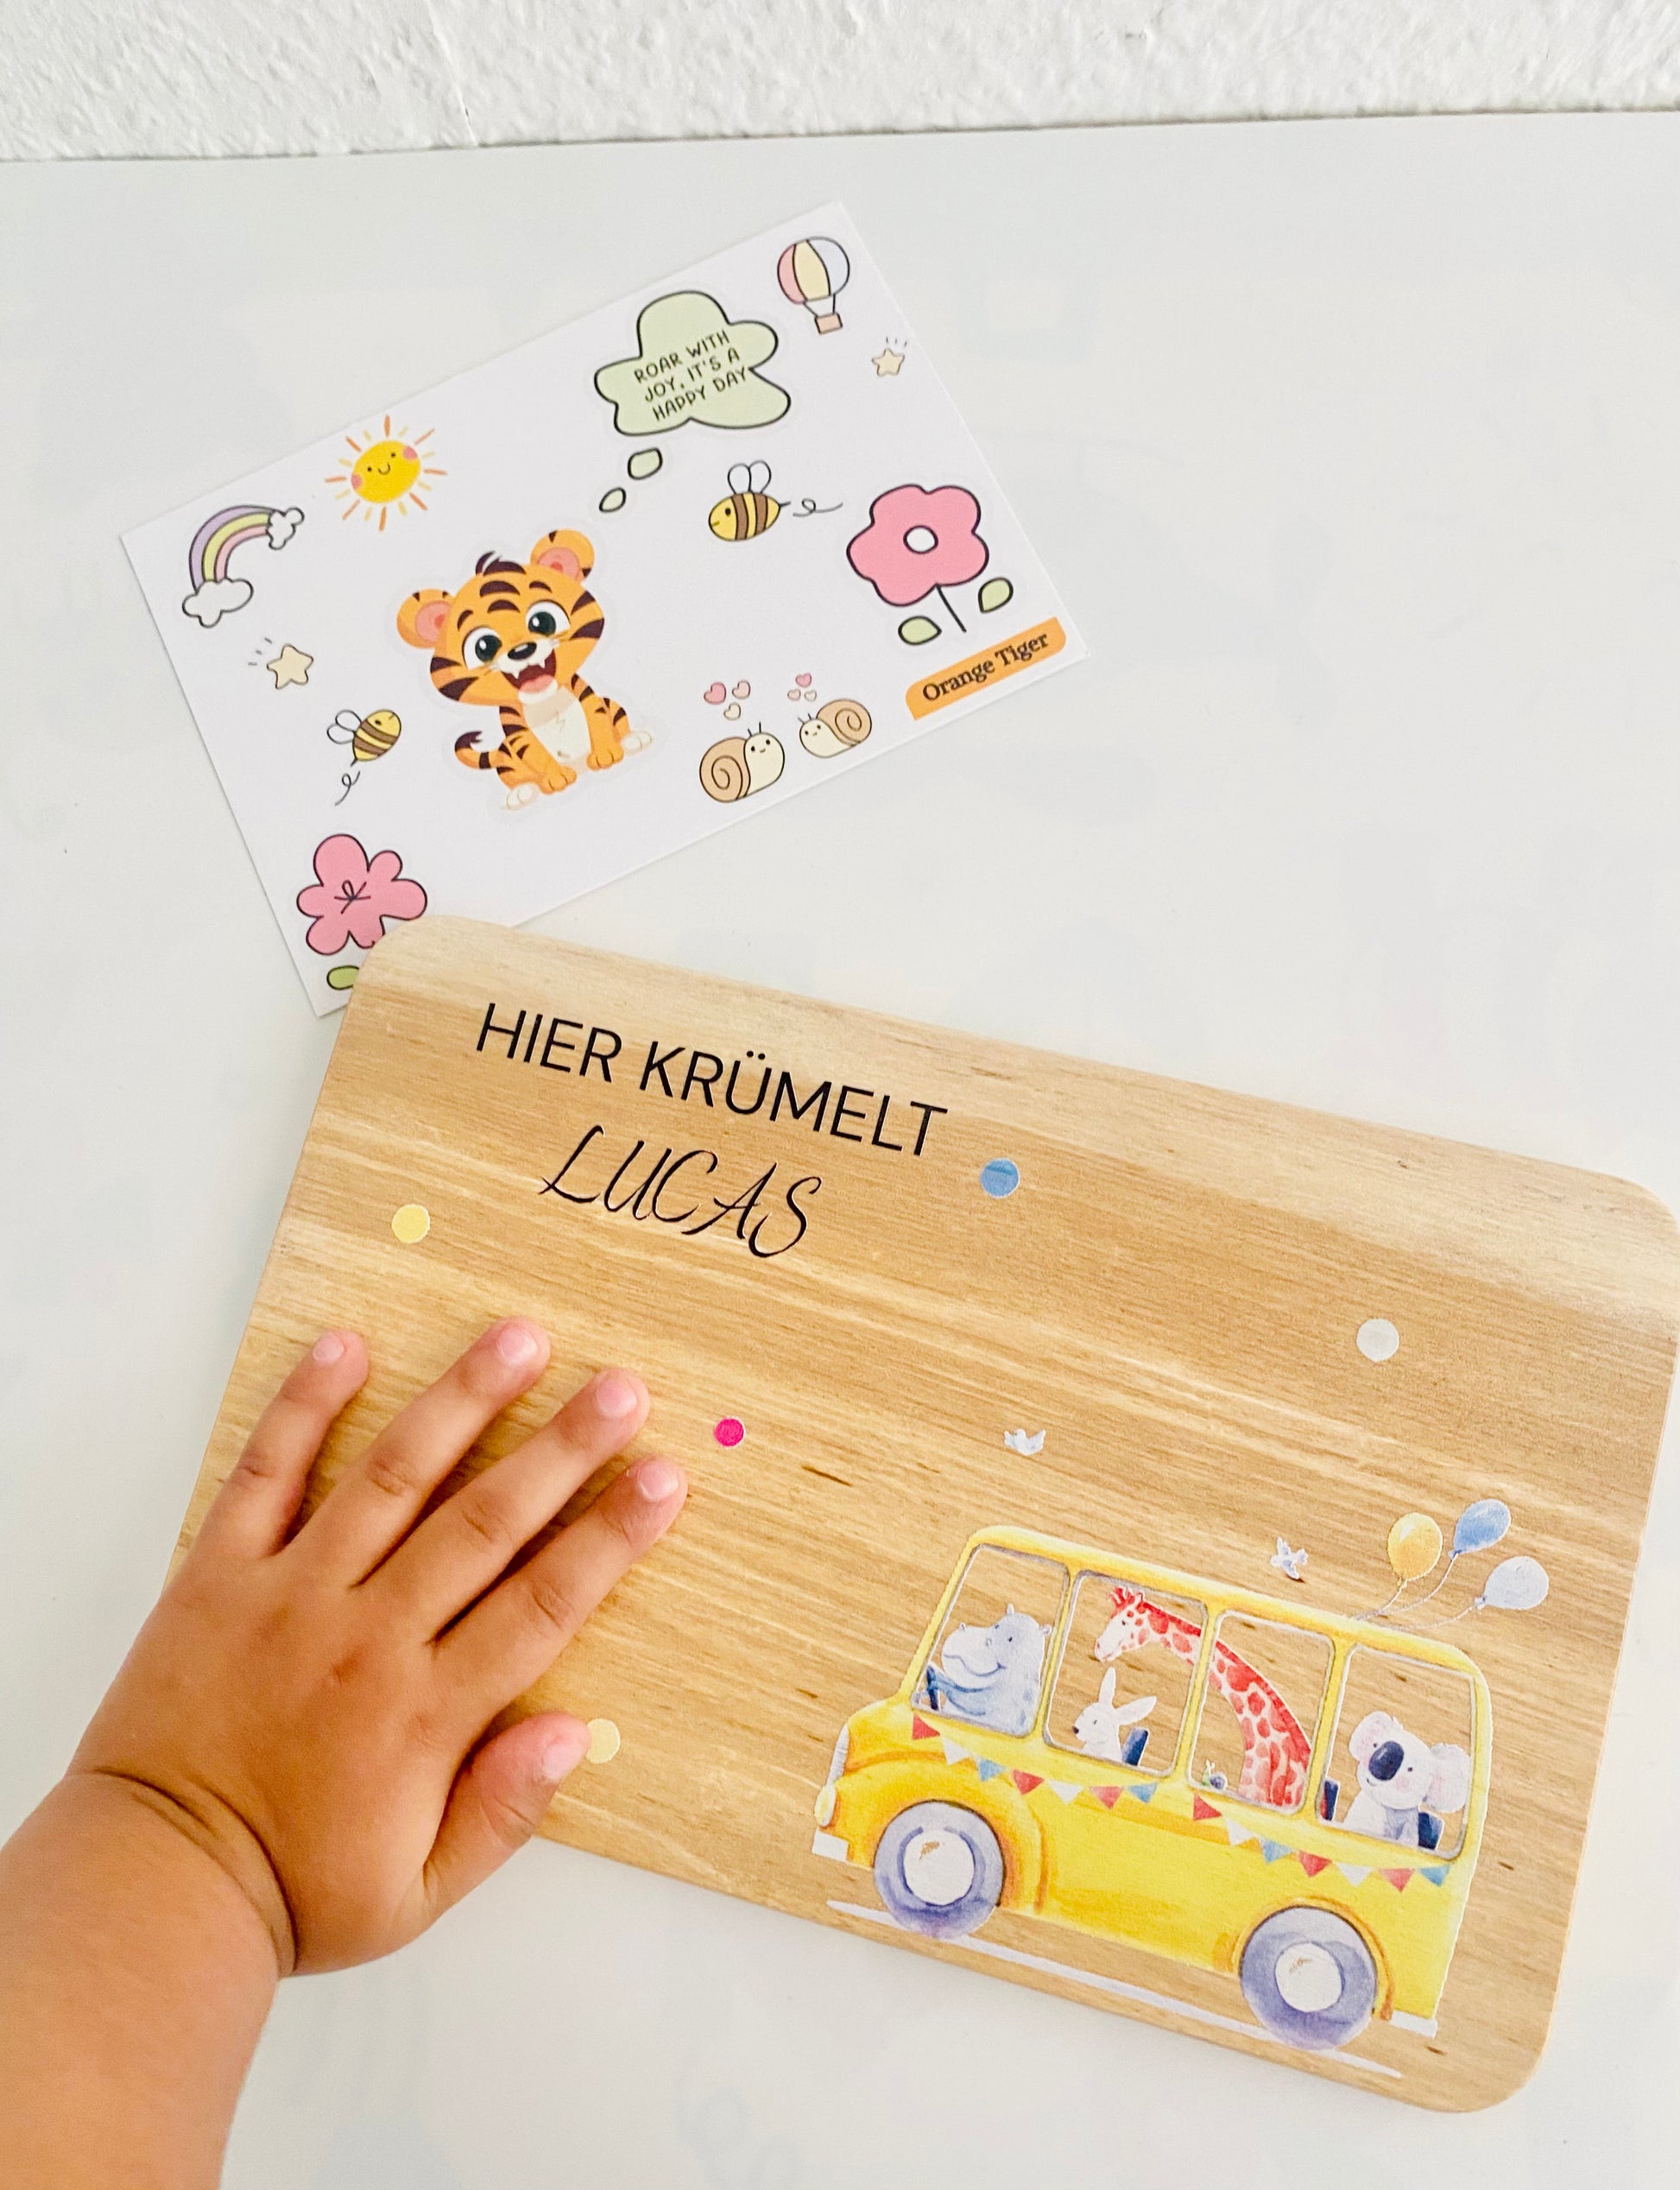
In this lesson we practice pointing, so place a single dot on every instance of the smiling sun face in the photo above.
(382, 475)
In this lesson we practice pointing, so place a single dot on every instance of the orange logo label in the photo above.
(964, 679)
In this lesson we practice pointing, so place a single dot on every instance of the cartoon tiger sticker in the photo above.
(514, 637)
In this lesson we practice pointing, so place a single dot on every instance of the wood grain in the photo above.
(1173, 1293)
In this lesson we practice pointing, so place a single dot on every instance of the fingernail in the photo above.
(657, 1480)
(615, 1395)
(562, 1751)
(517, 1344)
(327, 1349)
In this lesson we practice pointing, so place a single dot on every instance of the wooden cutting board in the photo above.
(861, 1264)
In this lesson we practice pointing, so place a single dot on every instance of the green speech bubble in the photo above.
(692, 362)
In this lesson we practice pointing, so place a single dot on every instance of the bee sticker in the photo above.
(370, 738)
(749, 507)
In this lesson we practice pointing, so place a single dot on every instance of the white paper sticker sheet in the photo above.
(520, 634)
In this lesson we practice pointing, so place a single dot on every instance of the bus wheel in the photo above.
(939, 1870)
(1309, 1978)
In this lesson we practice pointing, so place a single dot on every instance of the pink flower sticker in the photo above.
(918, 540)
(353, 896)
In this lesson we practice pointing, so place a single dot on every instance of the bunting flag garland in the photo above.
(1202, 1813)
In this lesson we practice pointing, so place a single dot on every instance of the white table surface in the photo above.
(1355, 449)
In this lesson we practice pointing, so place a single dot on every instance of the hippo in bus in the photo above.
(990, 1675)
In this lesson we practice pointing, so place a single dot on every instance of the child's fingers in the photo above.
(256, 1504)
(497, 1803)
(458, 1551)
(505, 1644)
(374, 1504)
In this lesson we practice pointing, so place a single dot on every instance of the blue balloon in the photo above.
(1480, 1525)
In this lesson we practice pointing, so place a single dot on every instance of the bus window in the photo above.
(1265, 1686)
(988, 1665)
(1128, 1710)
(1399, 1763)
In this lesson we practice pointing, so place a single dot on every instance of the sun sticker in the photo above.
(384, 474)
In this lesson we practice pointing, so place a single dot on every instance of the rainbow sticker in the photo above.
(214, 594)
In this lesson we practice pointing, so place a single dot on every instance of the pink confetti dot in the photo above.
(728, 1431)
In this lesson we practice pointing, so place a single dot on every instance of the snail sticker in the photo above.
(836, 728)
(736, 767)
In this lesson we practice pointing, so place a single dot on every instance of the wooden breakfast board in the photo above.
(1158, 1761)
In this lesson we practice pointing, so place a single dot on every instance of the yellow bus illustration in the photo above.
(1255, 1787)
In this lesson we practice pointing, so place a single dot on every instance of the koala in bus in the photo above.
(1405, 1787)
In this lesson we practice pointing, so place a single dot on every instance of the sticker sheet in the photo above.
(514, 637)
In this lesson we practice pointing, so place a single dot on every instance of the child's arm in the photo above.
(288, 1772)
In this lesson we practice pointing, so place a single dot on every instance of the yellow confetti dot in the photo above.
(411, 1223)
(603, 1741)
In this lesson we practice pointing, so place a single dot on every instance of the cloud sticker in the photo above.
(282, 523)
(216, 598)
(692, 362)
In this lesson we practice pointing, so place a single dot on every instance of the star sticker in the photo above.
(887, 362)
(289, 666)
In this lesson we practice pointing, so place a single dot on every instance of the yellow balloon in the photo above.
(1414, 1544)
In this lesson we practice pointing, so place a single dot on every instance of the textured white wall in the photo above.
(155, 79)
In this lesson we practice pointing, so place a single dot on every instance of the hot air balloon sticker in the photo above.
(812, 272)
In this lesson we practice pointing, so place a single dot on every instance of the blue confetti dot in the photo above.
(1000, 1177)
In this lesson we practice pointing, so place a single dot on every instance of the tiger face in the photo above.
(515, 631)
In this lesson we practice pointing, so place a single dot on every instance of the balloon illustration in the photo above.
(1480, 1525)
(1414, 1546)
(812, 272)
(1515, 1586)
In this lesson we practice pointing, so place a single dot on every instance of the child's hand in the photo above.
(310, 1712)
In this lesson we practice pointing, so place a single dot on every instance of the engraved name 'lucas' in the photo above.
(746, 1086)
(514, 638)
(639, 1185)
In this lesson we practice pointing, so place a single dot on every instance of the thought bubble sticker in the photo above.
(692, 362)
